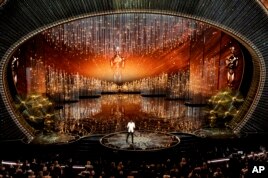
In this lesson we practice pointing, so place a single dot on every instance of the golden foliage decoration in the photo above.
(223, 107)
(38, 111)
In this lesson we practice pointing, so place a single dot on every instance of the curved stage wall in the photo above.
(19, 22)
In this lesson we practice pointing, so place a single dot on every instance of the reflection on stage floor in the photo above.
(111, 112)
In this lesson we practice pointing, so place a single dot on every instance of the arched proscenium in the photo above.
(245, 20)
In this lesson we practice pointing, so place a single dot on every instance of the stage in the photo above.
(143, 141)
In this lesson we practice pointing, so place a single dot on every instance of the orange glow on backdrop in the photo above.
(136, 67)
(150, 45)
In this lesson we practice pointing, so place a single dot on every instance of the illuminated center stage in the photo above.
(143, 141)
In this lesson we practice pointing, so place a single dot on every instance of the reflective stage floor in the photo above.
(110, 113)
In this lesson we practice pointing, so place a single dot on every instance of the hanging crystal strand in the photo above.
(85, 92)
(47, 75)
(77, 86)
(64, 40)
(87, 36)
(72, 87)
(64, 85)
(204, 68)
(60, 86)
(86, 88)
(71, 37)
(67, 37)
(94, 38)
(101, 36)
(95, 87)
(83, 38)
(99, 42)
(78, 39)
(54, 84)
(107, 23)
(60, 37)
(219, 63)
(90, 86)
(52, 78)
(50, 83)
(69, 88)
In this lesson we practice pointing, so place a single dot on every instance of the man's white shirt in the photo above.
(131, 126)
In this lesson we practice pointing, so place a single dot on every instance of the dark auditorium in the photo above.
(133, 88)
